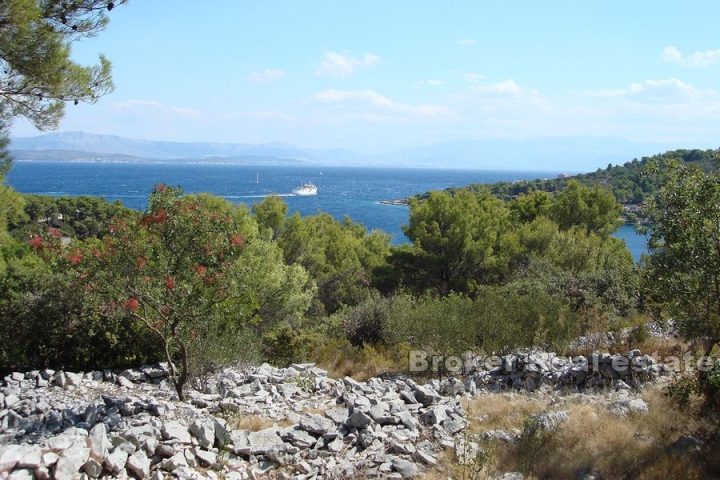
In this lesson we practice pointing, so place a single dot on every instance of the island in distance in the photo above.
(572, 153)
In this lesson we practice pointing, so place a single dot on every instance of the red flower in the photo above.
(132, 305)
(160, 216)
(75, 257)
(169, 283)
(237, 240)
(55, 232)
(35, 242)
(201, 270)
(160, 187)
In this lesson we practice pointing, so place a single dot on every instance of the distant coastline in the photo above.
(400, 201)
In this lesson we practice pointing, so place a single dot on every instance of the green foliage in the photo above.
(270, 214)
(499, 320)
(532, 444)
(682, 390)
(465, 241)
(286, 343)
(365, 323)
(529, 206)
(710, 384)
(38, 75)
(340, 257)
(593, 208)
(631, 183)
(682, 277)
(192, 271)
(74, 217)
(537, 235)
(442, 325)
(595, 275)
(5, 158)
(461, 241)
(45, 321)
(11, 203)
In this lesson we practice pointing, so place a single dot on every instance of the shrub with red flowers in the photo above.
(181, 271)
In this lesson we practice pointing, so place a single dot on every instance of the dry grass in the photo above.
(360, 363)
(592, 439)
(500, 411)
(255, 423)
(664, 347)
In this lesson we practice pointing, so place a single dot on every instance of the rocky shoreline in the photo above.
(129, 424)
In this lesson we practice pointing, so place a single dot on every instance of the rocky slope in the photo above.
(128, 424)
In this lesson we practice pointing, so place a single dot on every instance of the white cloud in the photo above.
(670, 91)
(699, 59)
(337, 65)
(268, 75)
(504, 88)
(473, 77)
(466, 42)
(156, 107)
(428, 82)
(375, 100)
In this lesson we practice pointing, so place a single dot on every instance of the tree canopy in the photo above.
(38, 76)
(683, 275)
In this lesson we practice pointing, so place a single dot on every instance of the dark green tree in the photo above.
(527, 207)
(683, 270)
(460, 241)
(339, 256)
(270, 214)
(38, 76)
(593, 208)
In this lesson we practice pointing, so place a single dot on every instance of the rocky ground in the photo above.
(130, 424)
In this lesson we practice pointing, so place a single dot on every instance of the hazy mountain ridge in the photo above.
(573, 154)
(94, 157)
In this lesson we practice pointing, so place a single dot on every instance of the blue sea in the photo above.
(342, 191)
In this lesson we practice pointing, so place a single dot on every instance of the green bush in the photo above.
(500, 319)
(46, 322)
(366, 322)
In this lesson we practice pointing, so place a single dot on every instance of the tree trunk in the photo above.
(181, 379)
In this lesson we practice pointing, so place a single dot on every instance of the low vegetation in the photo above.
(200, 283)
(594, 440)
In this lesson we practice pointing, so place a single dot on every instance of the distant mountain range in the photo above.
(95, 157)
(572, 154)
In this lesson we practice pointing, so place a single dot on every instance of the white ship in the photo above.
(306, 189)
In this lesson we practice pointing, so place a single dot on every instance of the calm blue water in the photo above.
(636, 243)
(343, 191)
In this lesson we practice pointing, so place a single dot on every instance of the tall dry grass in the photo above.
(593, 439)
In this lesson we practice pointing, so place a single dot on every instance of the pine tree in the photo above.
(37, 76)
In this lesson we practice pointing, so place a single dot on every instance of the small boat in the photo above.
(306, 189)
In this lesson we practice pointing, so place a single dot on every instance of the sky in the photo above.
(382, 75)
